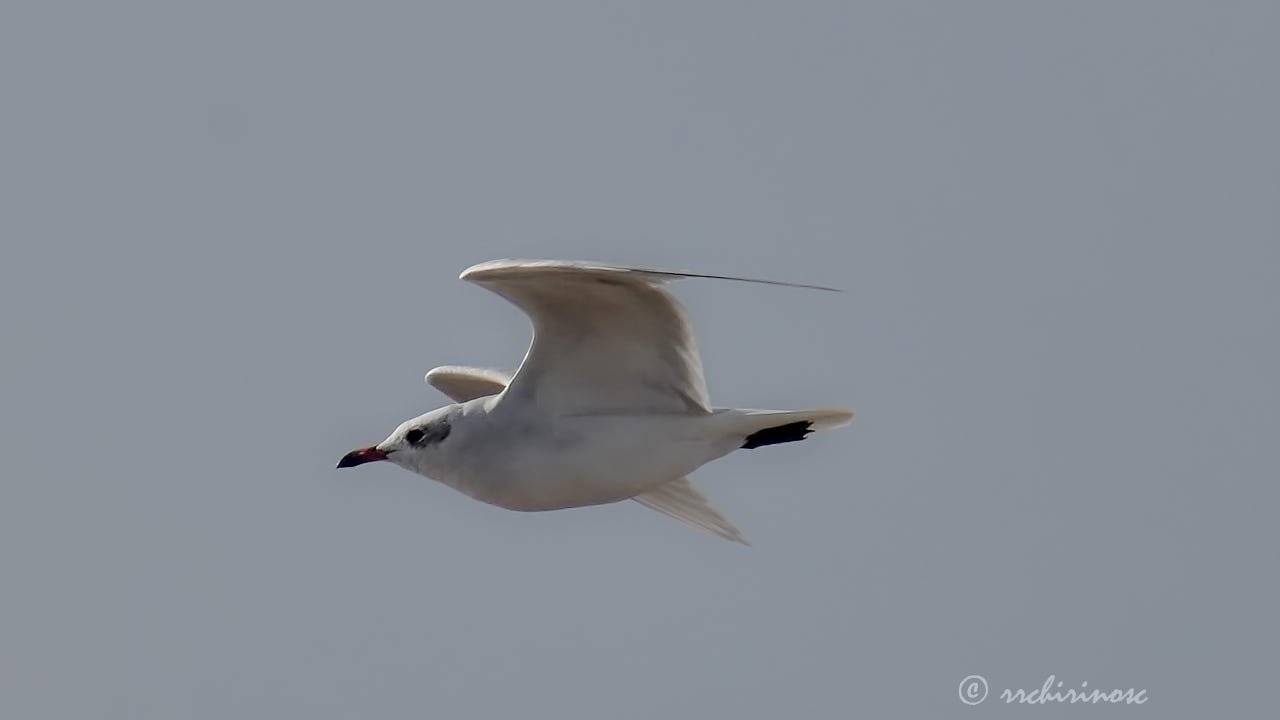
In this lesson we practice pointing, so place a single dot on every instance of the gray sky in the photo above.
(231, 233)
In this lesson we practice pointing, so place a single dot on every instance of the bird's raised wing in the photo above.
(467, 383)
(605, 338)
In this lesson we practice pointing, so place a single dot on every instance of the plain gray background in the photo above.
(231, 236)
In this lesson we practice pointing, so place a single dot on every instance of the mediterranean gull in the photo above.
(609, 403)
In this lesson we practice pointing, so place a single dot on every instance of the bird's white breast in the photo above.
(523, 461)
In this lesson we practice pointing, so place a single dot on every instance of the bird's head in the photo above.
(410, 446)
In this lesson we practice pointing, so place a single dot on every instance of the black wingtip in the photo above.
(791, 432)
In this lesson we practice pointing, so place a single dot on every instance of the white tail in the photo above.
(758, 428)
(822, 419)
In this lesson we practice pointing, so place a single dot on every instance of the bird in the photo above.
(609, 404)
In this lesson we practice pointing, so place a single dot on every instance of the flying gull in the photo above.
(609, 403)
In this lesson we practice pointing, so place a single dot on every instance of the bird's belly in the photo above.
(589, 461)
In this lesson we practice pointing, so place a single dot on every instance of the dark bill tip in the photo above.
(362, 456)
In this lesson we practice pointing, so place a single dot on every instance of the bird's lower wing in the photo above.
(682, 501)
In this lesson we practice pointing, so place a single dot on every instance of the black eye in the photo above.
(413, 436)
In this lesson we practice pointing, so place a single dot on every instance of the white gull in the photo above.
(609, 404)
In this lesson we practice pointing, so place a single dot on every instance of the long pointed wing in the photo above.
(605, 339)
(467, 383)
(682, 501)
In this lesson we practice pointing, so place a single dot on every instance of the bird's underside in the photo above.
(677, 498)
